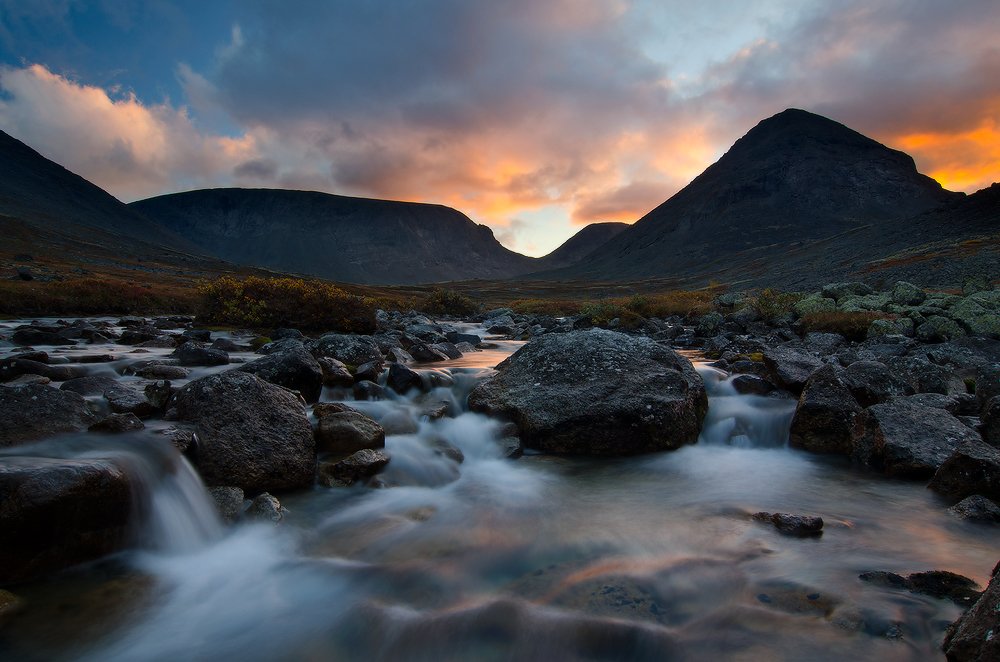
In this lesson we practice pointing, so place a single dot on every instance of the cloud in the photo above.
(626, 203)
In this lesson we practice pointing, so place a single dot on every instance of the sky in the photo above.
(534, 117)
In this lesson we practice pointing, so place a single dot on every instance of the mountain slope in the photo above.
(356, 240)
(43, 194)
(577, 247)
(794, 179)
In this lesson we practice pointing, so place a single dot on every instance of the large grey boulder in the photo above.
(193, 353)
(907, 440)
(342, 430)
(36, 411)
(790, 368)
(974, 468)
(58, 512)
(351, 349)
(250, 433)
(596, 392)
(292, 367)
(824, 416)
(872, 383)
(975, 636)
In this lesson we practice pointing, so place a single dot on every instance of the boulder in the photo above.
(790, 368)
(751, 385)
(17, 366)
(935, 583)
(872, 383)
(343, 430)
(55, 513)
(907, 440)
(123, 399)
(199, 354)
(118, 423)
(250, 433)
(824, 416)
(823, 343)
(938, 328)
(335, 373)
(861, 303)
(402, 379)
(351, 349)
(424, 353)
(987, 383)
(814, 303)
(990, 425)
(36, 336)
(457, 337)
(448, 349)
(293, 367)
(227, 345)
(976, 508)
(926, 377)
(399, 355)
(840, 290)
(27, 380)
(35, 411)
(974, 468)
(596, 392)
(154, 370)
(358, 466)
(366, 390)
(228, 501)
(979, 314)
(907, 294)
(266, 508)
(368, 371)
(975, 636)
(793, 525)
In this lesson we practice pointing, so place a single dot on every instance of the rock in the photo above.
(979, 314)
(974, 468)
(55, 513)
(141, 333)
(751, 385)
(158, 394)
(976, 508)
(201, 335)
(228, 501)
(117, 423)
(708, 324)
(346, 431)
(435, 410)
(990, 422)
(227, 345)
(926, 377)
(445, 449)
(335, 373)
(987, 383)
(198, 354)
(814, 303)
(266, 508)
(402, 379)
(457, 337)
(793, 525)
(596, 392)
(16, 366)
(10, 604)
(906, 440)
(358, 466)
(823, 343)
(281, 334)
(94, 385)
(399, 421)
(824, 416)
(949, 403)
(250, 433)
(790, 368)
(864, 303)
(368, 391)
(939, 329)
(423, 353)
(907, 294)
(162, 371)
(935, 583)
(840, 290)
(975, 636)
(35, 336)
(368, 371)
(34, 412)
(294, 368)
(871, 383)
(448, 349)
(27, 380)
(351, 349)
(123, 399)
(886, 327)
(399, 355)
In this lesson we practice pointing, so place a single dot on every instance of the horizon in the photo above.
(550, 119)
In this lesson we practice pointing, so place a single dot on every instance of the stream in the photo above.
(544, 557)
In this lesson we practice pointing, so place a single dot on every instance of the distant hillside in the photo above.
(577, 247)
(355, 240)
(43, 194)
(797, 183)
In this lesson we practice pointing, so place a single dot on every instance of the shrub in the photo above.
(851, 325)
(690, 303)
(440, 301)
(771, 304)
(550, 307)
(91, 296)
(272, 302)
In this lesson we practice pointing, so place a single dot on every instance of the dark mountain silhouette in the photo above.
(795, 180)
(41, 193)
(577, 247)
(355, 240)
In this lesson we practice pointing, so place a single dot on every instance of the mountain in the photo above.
(354, 240)
(43, 194)
(797, 182)
(577, 247)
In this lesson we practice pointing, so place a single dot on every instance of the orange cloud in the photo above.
(962, 161)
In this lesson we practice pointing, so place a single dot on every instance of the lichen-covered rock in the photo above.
(864, 303)
(36, 411)
(974, 468)
(824, 416)
(979, 314)
(118, 423)
(840, 290)
(976, 508)
(871, 383)
(814, 303)
(266, 508)
(790, 368)
(194, 353)
(351, 349)
(228, 501)
(293, 367)
(358, 466)
(344, 430)
(938, 328)
(907, 294)
(975, 636)
(250, 433)
(596, 392)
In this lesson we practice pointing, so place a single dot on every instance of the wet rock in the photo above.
(793, 525)
(36, 336)
(351, 349)
(358, 466)
(163, 342)
(17, 366)
(33, 412)
(368, 391)
(423, 353)
(250, 433)
(457, 337)
(162, 371)
(265, 508)
(596, 392)
(55, 513)
(345, 430)
(976, 508)
(93, 385)
(181, 437)
(924, 376)
(402, 379)
(824, 416)
(907, 440)
(990, 425)
(228, 501)
(141, 333)
(335, 373)
(434, 410)
(227, 345)
(368, 371)
(123, 399)
(987, 383)
(871, 383)
(448, 349)
(281, 334)
(790, 368)
(200, 335)
(935, 583)
(118, 423)
(398, 422)
(198, 354)
(445, 449)
(27, 380)
(974, 468)
(399, 355)
(975, 636)
(158, 394)
(294, 368)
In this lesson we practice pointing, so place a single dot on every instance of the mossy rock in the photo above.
(868, 302)
(979, 314)
(839, 291)
(814, 303)
(886, 327)
(907, 294)
(939, 329)
(259, 342)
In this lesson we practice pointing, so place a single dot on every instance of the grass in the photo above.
(92, 296)
(851, 325)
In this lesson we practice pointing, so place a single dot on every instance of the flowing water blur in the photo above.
(545, 557)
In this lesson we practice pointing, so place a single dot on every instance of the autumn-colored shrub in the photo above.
(272, 302)
(550, 307)
(440, 301)
(91, 296)
(685, 303)
(851, 325)
(772, 304)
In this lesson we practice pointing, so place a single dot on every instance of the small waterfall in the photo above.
(746, 421)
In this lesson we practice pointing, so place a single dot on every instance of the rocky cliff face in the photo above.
(347, 239)
(581, 245)
(794, 179)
